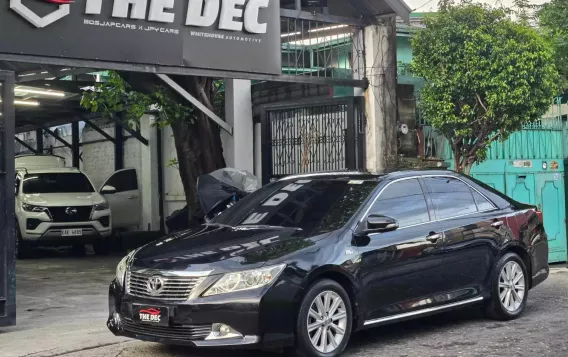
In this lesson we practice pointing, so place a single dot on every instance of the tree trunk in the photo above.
(198, 145)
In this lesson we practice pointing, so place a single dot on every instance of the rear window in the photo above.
(57, 183)
(315, 206)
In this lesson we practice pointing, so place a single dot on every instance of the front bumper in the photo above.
(265, 321)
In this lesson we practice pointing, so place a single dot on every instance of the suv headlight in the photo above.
(245, 280)
(32, 208)
(101, 206)
(123, 266)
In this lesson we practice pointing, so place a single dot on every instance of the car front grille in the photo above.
(175, 288)
(71, 213)
(179, 332)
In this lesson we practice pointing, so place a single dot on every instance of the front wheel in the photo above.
(509, 290)
(324, 321)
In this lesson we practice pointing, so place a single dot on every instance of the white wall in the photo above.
(174, 196)
(98, 163)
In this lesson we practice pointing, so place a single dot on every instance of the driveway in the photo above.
(62, 309)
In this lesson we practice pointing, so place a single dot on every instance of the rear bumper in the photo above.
(540, 276)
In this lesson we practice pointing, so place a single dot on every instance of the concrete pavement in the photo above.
(60, 315)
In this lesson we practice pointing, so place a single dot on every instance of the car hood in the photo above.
(223, 249)
(62, 199)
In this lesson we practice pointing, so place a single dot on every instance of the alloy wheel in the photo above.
(327, 321)
(511, 286)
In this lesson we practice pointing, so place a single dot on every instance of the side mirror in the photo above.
(108, 190)
(378, 223)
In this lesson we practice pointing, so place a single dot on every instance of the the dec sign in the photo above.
(232, 14)
(232, 35)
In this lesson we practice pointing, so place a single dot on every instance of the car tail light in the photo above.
(539, 214)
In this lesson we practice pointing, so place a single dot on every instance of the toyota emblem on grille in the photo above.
(155, 285)
(71, 211)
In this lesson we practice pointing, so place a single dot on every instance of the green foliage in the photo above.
(115, 95)
(553, 19)
(485, 76)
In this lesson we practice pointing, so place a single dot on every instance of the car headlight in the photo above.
(101, 206)
(122, 266)
(245, 280)
(32, 208)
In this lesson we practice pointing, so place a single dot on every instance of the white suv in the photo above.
(57, 205)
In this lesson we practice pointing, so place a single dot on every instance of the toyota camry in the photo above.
(306, 261)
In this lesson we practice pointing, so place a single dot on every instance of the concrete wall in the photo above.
(174, 197)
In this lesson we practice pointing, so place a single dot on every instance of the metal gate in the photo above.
(529, 167)
(313, 136)
(7, 205)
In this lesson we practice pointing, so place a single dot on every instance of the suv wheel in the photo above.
(324, 322)
(509, 290)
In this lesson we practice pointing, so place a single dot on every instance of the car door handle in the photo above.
(434, 237)
(497, 224)
(132, 197)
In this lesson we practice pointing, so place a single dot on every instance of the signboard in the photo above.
(231, 35)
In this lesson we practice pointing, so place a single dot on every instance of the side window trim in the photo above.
(471, 188)
(431, 212)
(429, 203)
(378, 195)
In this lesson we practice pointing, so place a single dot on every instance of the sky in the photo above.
(431, 5)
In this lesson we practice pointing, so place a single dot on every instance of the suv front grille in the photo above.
(71, 213)
(175, 288)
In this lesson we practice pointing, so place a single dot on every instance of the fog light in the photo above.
(116, 319)
(220, 331)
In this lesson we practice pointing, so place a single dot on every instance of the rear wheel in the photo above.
(509, 288)
(324, 322)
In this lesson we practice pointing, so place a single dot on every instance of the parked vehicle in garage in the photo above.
(216, 191)
(58, 205)
(309, 259)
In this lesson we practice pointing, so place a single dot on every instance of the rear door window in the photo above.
(450, 197)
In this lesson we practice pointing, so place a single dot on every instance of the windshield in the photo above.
(315, 206)
(57, 183)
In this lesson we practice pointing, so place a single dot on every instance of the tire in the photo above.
(506, 302)
(332, 327)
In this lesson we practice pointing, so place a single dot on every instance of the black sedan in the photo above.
(306, 261)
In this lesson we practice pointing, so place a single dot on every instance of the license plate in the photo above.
(151, 315)
(71, 232)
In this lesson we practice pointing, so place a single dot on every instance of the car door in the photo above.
(401, 270)
(472, 227)
(123, 195)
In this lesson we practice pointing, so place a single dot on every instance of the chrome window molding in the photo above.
(436, 219)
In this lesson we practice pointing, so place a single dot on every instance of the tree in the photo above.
(552, 19)
(197, 139)
(485, 76)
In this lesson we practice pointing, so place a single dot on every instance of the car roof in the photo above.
(53, 170)
(362, 175)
